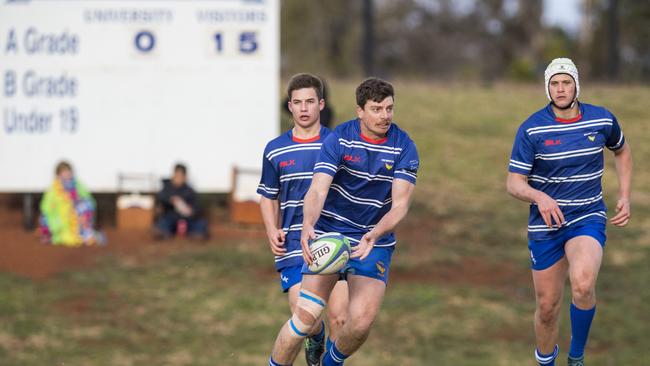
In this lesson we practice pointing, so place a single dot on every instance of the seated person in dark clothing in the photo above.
(180, 208)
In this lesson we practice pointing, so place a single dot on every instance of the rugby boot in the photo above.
(313, 351)
(576, 361)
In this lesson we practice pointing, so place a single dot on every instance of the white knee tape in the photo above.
(311, 303)
(297, 327)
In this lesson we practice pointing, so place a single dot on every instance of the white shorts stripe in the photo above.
(539, 228)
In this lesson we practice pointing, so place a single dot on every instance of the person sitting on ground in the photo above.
(180, 209)
(68, 211)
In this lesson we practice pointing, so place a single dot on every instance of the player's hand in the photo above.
(276, 241)
(551, 213)
(362, 250)
(622, 216)
(307, 234)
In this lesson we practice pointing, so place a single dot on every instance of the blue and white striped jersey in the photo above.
(363, 171)
(287, 170)
(564, 159)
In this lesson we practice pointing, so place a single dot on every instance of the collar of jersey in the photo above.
(302, 141)
(368, 139)
(566, 120)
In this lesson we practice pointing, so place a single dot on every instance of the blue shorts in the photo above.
(376, 265)
(545, 253)
(290, 276)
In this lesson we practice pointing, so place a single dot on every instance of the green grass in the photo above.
(461, 292)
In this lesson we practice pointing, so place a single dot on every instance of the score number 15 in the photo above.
(247, 42)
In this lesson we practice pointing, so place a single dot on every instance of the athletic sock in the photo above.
(328, 344)
(273, 363)
(319, 337)
(580, 324)
(547, 360)
(334, 357)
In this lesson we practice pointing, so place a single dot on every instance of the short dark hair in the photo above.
(374, 89)
(61, 166)
(305, 80)
(180, 168)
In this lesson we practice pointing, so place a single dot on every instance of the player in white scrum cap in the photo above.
(556, 164)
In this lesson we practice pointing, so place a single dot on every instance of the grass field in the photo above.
(460, 291)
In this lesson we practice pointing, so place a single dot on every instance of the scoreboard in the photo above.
(122, 87)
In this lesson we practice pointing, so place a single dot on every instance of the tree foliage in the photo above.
(470, 39)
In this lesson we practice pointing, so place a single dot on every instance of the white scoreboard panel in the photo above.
(135, 86)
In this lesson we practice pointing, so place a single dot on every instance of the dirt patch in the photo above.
(23, 254)
(473, 271)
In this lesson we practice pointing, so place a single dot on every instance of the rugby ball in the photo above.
(330, 253)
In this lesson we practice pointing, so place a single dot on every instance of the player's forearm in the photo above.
(270, 213)
(520, 189)
(623, 162)
(314, 201)
(390, 220)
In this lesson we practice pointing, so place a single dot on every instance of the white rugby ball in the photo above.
(330, 253)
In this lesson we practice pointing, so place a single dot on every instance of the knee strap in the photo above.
(297, 327)
(311, 303)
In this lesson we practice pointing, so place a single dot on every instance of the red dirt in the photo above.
(23, 254)
(470, 270)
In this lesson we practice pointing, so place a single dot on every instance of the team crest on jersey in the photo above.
(591, 136)
(388, 163)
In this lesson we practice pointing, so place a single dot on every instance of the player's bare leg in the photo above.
(549, 289)
(293, 296)
(584, 255)
(366, 296)
(305, 318)
(337, 309)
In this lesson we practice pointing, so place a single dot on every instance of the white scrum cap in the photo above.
(561, 66)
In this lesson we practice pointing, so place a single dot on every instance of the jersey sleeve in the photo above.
(269, 186)
(329, 157)
(523, 154)
(408, 163)
(615, 140)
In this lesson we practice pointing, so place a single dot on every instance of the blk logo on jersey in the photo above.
(287, 163)
(591, 138)
(552, 142)
(352, 158)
